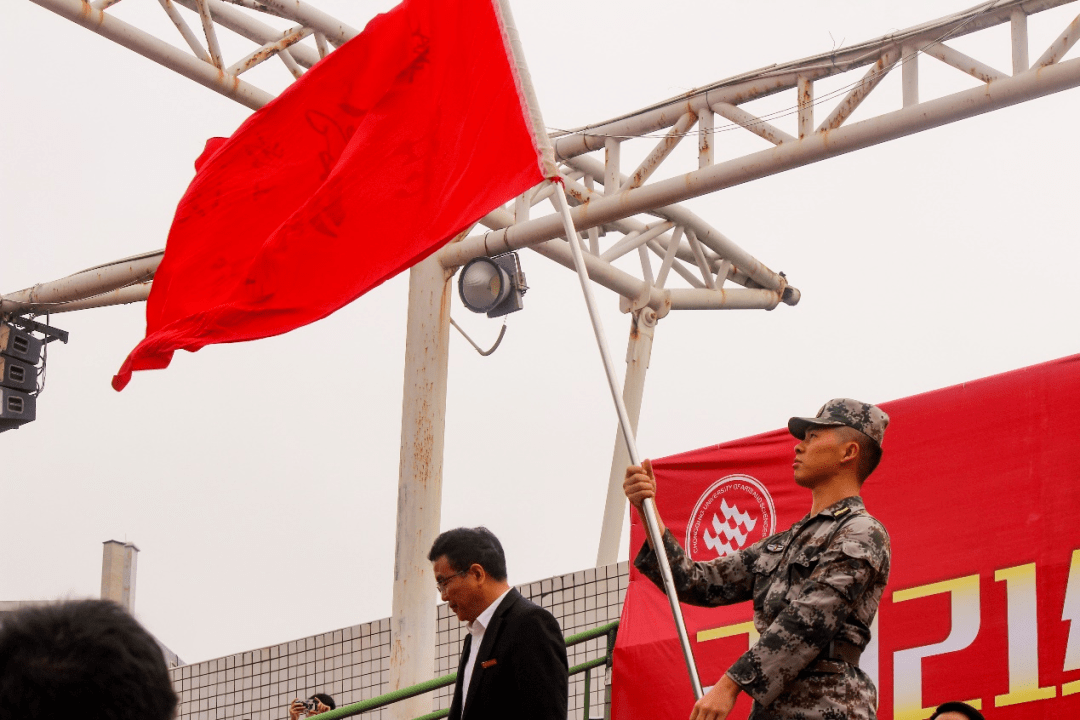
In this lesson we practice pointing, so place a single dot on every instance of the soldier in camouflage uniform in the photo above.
(815, 587)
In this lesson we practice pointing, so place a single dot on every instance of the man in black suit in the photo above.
(513, 662)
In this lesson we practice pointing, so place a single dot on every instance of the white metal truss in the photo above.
(705, 249)
(683, 262)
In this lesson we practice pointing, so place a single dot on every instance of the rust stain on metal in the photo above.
(582, 197)
(91, 15)
(257, 58)
(228, 79)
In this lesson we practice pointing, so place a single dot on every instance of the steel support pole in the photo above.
(638, 352)
(423, 420)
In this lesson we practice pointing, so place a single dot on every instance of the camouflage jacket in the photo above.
(816, 587)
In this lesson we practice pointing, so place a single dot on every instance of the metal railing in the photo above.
(356, 708)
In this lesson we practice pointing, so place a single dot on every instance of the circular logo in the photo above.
(735, 512)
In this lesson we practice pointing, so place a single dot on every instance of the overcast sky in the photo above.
(259, 480)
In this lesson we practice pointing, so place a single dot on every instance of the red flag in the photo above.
(370, 162)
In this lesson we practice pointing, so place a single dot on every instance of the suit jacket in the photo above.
(521, 668)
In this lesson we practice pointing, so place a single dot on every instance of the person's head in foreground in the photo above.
(470, 570)
(86, 659)
(845, 435)
(956, 711)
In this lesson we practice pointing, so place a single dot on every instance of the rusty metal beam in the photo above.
(89, 286)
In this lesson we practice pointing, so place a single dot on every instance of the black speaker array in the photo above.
(20, 355)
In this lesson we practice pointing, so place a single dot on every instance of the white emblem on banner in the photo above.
(735, 512)
(729, 529)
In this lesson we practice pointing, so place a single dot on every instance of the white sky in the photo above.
(260, 479)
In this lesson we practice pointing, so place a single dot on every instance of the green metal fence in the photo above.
(394, 696)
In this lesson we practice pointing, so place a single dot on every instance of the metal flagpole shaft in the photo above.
(652, 525)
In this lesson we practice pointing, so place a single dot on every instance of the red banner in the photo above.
(978, 487)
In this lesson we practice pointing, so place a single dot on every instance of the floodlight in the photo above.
(492, 285)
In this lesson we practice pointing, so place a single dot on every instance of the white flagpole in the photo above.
(529, 106)
(550, 171)
(652, 525)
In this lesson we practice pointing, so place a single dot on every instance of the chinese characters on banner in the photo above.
(979, 489)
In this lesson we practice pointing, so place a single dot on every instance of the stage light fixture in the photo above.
(492, 285)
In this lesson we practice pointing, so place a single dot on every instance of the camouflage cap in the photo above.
(868, 419)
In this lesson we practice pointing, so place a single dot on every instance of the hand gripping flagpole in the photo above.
(550, 171)
(652, 524)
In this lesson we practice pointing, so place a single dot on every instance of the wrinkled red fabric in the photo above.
(367, 164)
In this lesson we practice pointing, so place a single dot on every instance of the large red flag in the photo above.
(367, 164)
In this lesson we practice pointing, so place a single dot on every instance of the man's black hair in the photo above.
(958, 707)
(325, 700)
(871, 456)
(465, 547)
(85, 659)
(869, 452)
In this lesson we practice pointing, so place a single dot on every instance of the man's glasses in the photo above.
(440, 585)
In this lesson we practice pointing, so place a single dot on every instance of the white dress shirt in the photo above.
(477, 628)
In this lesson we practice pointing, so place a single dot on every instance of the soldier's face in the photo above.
(817, 456)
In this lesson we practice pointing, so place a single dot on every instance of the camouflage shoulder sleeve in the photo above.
(722, 581)
(856, 557)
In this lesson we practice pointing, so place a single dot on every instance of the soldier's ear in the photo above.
(851, 451)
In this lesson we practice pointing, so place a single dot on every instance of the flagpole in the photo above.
(550, 170)
(652, 524)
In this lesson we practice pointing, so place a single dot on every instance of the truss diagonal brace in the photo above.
(268, 50)
(185, 31)
(255, 30)
(330, 27)
(159, 51)
(709, 236)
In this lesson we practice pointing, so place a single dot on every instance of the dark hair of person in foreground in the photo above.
(959, 708)
(86, 659)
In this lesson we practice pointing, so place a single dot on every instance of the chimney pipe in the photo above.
(118, 573)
